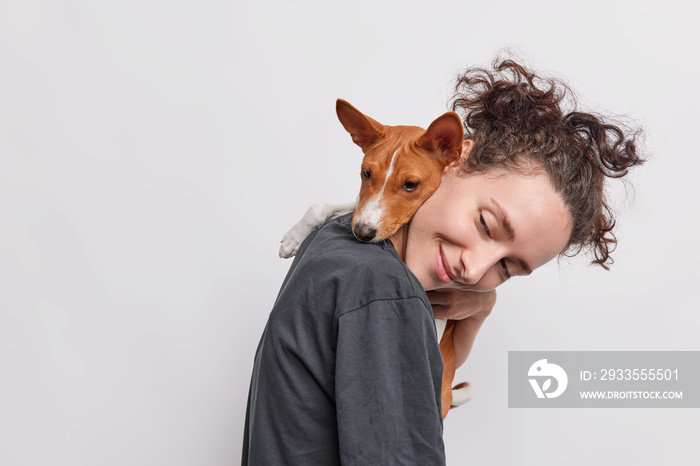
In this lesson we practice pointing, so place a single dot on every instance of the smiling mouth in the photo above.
(442, 267)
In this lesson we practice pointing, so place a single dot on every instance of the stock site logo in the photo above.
(544, 371)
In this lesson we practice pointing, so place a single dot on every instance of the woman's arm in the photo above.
(388, 385)
(470, 309)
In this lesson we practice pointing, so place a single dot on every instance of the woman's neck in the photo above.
(399, 239)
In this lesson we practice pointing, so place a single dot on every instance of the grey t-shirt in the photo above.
(348, 370)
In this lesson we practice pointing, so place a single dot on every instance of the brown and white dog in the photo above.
(401, 168)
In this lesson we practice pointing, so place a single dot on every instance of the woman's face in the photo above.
(478, 230)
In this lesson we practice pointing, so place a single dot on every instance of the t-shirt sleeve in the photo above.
(387, 390)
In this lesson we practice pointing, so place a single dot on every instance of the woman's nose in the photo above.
(475, 264)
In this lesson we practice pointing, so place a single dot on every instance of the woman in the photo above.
(348, 369)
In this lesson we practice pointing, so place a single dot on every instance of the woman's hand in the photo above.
(460, 304)
(469, 309)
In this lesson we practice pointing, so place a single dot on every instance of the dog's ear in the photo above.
(445, 134)
(363, 129)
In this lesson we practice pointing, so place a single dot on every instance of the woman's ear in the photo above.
(467, 146)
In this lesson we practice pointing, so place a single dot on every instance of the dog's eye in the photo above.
(366, 174)
(410, 185)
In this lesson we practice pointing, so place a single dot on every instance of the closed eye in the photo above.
(484, 225)
(504, 267)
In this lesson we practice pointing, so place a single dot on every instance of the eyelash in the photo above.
(502, 262)
(504, 267)
(483, 224)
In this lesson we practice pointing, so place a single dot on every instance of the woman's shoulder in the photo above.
(366, 270)
(335, 244)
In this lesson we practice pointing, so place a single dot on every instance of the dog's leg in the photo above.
(449, 359)
(312, 219)
(460, 393)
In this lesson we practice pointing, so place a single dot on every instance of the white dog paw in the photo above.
(290, 244)
(461, 394)
(313, 218)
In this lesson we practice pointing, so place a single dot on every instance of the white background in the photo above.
(153, 153)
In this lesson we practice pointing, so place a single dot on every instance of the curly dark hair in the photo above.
(515, 119)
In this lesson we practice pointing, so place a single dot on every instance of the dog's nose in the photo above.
(365, 232)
